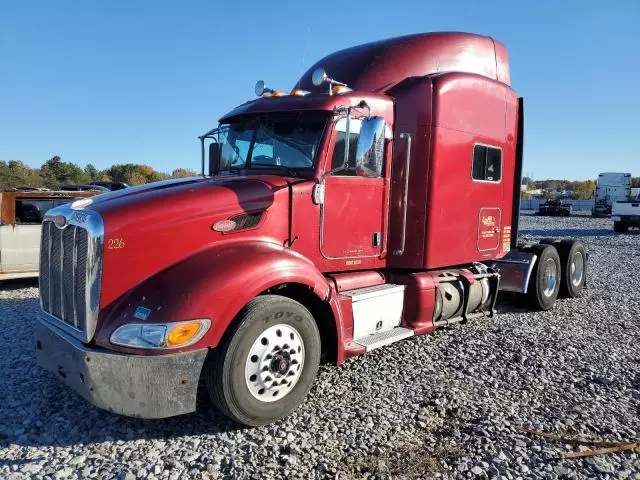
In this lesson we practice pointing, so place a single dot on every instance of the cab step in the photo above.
(377, 340)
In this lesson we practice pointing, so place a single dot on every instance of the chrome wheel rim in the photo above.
(274, 363)
(549, 277)
(577, 269)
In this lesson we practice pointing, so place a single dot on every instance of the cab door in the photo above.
(352, 215)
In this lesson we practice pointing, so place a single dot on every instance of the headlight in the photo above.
(160, 335)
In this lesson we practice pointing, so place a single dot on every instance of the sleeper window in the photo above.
(487, 163)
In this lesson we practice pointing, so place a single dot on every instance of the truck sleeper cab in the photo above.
(376, 201)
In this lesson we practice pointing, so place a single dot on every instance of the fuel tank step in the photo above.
(375, 309)
(377, 340)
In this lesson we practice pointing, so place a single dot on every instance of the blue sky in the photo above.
(137, 81)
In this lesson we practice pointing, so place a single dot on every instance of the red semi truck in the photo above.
(378, 200)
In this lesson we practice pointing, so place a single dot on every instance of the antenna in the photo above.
(304, 55)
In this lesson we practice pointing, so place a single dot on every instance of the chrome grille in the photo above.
(70, 271)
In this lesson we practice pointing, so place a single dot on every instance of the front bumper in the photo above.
(134, 385)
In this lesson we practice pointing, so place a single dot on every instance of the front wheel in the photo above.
(266, 366)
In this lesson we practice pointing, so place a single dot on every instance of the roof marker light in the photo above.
(338, 89)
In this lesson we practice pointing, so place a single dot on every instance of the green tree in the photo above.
(16, 174)
(125, 173)
(137, 178)
(92, 172)
(135, 174)
(583, 190)
(56, 172)
(182, 173)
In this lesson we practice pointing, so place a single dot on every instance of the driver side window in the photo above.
(339, 148)
(235, 146)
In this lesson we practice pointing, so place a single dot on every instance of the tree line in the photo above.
(581, 189)
(55, 172)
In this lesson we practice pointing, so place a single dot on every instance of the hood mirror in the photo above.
(319, 76)
(370, 148)
(261, 88)
(215, 150)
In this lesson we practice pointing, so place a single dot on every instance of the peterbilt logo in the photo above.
(79, 216)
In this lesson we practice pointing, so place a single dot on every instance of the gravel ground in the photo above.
(447, 405)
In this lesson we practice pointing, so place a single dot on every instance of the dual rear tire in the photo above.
(560, 270)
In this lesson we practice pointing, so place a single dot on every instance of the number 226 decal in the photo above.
(115, 243)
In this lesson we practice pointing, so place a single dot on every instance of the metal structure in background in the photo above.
(577, 205)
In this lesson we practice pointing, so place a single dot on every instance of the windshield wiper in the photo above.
(292, 171)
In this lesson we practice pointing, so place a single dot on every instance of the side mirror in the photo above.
(215, 150)
(370, 149)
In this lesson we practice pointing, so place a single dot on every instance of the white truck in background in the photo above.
(610, 187)
(21, 214)
(625, 215)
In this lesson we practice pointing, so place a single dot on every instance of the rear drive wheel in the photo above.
(267, 365)
(619, 227)
(573, 258)
(544, 283)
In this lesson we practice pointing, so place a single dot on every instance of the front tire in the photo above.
(268, 362)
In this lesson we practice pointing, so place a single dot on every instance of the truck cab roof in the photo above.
(373, 69)
(379, 66)
(294, 103)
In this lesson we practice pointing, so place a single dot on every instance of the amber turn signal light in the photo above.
(182, 333)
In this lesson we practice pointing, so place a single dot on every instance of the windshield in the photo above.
(288, 142)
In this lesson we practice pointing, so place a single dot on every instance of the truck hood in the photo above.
(152, 227)
(188, 189)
